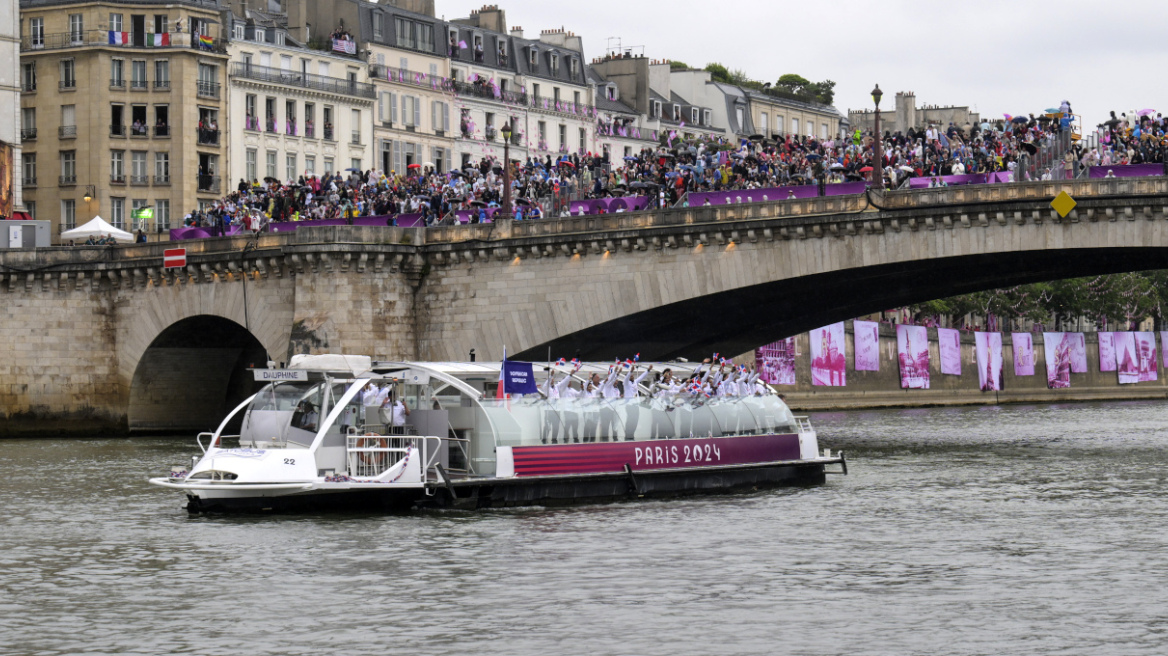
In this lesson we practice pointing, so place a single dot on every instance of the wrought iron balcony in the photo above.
(303, 80)
(208, 137)
(67, 132)
(28, 134)
(208, 90)
(208, 184)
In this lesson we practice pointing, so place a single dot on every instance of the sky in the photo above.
(997, 56)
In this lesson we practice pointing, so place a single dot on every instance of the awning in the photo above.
(20, 216)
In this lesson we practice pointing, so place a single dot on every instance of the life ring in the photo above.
(372, 441)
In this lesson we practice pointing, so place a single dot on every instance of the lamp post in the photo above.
(878, 160)
(506, 169)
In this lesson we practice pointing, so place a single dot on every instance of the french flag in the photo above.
(119, 38)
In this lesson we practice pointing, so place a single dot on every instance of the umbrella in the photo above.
(1145, 112)
(639, 185)
(836, 167)
(353, 170)
(866, 169)
(566, 163)
(630, 158)
(428, 165)
(757, 137)
(1052, 110)
(270, 179)
(523, 201)
(1020, 119)
(906, 169)
(1030, 147)
(478, 203)
(813, 156)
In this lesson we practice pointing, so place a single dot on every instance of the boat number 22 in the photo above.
(672, 455)
(289, 461)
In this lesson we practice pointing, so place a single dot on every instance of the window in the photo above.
(411, 112)
(138, 74)
(778, 124)
(76, 29)
(139, 126)
(136, 206)
(533, 57)
(260, 36)
(31, 207)
(656, 110)
(161, 168)
(162, 74)
(556, 94)
(279, 38)
(117, 73)
(440, 117)
(290, 166)
(563, 137)
(251, 122)
(535, 91)
(68, 214)
(68, 74)
(250, 173)
(823, 130)
(378, 19)
(68, 166)
(583, 140)
(762, 126)
(425, 37)
(118, 166)
(405, 33)
(115, 23)
(810, 128)
(28, 121)
(328, 165)
(118, 212)
(138, 171)
(161, 24)
(28, 77)
(36, 28)
(238, 32)
(310, 165)
(162, 214)
(795, 126)
(414, 35)
(271, 168)
(677, 113)
(554, 60)
(355, 163)
(693, 115)
(286, 63)
(573, 66)
(28, 169)
(576, 97)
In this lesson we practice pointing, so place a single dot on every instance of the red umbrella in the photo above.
(565, 163)
(866, 169)
(414, 166)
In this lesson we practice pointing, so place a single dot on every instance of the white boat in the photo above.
(306, 441)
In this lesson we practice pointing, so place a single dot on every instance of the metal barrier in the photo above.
(371, 456)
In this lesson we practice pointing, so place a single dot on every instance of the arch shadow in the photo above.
(740, 320)
(192, 374)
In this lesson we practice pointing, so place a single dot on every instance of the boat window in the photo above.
(282, 396)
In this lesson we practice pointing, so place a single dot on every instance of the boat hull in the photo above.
(531, 491)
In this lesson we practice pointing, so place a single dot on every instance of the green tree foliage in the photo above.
(678, 66)
(793, 83)
(718, 72)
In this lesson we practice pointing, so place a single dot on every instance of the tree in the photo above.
(793, 83)
(678, 66)
(718, 72)
(824, 91)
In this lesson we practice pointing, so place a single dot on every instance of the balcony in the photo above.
(310, 131)
(67, 132)
(162, 131)
(356, 139)
(103, 38)
(139, 131)
(139, 85)
(117, 130)
(328, 133)
(161, 180)
(68, 85)
(28, 134)
(208, 90)
(139, 180)
(488, 92)
(302, 80)
(118, 178)
(405, 76)
(208, 137)
(117, 85)
(28, 86)
(67, 180)
(208, 184)
(162, 85)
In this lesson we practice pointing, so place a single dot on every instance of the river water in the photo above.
(1013, 530)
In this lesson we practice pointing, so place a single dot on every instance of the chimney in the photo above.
(517, 32)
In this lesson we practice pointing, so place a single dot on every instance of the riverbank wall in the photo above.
(881, 389)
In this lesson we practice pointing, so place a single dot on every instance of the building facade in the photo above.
(122, 105)
(905, 114)
(10, 129)
(293, 111)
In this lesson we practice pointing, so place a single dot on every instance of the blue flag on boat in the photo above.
(518, 378)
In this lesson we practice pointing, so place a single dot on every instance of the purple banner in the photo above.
(1078, 353)
(776, 362)
(1127, 361)
(950, 180)
(1164, 347)
(1107, 351)
(1126, 171)
(912, 349)
(827, 356)
(1058, 359)
(949, 347)
(845, 188)
(769, 194)
(1146, 351)
(1023, 354)
(989, 360)
(867, 343)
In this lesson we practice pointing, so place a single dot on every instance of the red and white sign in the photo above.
(174, 258)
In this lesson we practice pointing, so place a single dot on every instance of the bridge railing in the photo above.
(1023, 191)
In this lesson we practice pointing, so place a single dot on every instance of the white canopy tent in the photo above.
(97, 228)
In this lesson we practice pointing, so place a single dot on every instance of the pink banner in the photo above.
(776, 362)
(1058, 359)
(827, 356)
(674, 454)
(1023, 354)
(989, 360)
(1107, 351)
(867, 342)
(1146, 350)
(1078, 353)
(1164, 346)
(912, 348)
(949, 345)
(1127, 362)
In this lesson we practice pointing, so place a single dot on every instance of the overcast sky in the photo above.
(998, 56)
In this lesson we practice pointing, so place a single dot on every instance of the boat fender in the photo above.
(634, 488)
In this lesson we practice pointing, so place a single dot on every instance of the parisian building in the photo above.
(11, 159)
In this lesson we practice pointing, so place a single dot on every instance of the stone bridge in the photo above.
(101, 339)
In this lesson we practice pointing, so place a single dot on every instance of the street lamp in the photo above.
(878, 161)
(507, 169)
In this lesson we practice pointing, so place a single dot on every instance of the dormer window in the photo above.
(677, 112)
(574, 66)
(707, 117)
(611, 92)
(378, 20)
(477, 43)
(656, 110)
(259, 36)
(534, 59)
(502, 53)
(279, 38)
(554, 61)
(693, 115)
(238, 32)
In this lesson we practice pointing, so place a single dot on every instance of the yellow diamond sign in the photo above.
(1063, 204)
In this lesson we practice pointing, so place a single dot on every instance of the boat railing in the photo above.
(372, 455)
(213, 441)
(804, 424)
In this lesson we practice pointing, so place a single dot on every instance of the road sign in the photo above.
(1063, 204)
(174, 258)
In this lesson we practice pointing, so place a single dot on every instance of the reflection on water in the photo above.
(1026, 529)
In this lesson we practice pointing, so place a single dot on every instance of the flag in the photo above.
(502, 368)
(207, 42)
(119, 38)
(462, 45)
(158, 40)
(344, 46)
